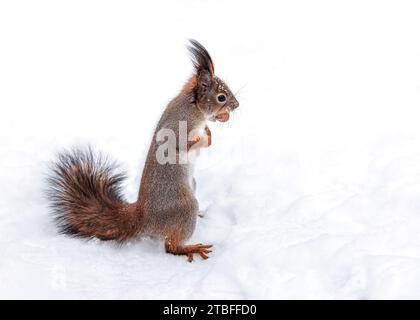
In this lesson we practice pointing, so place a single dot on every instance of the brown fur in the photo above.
(85, 188)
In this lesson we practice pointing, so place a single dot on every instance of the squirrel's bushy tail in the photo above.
(85, 196)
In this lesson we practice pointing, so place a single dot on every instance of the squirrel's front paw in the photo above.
(208, 133)
(196, 139)
(201, 140)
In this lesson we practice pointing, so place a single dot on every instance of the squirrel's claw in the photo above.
(203, 252)
(200, 249)
(190, 250)
(190, 257)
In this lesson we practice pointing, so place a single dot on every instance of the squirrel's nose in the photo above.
(235, 104)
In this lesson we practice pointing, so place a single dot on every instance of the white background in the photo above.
(311, 190)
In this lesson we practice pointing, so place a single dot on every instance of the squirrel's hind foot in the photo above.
(189, 250)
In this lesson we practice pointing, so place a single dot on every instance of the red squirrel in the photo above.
(85, 187)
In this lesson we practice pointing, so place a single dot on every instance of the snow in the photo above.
(311, 190)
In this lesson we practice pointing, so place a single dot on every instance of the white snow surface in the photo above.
(311, 190)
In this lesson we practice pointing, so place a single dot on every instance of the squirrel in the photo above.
(84, 187)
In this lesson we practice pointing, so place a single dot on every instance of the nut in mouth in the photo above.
(222, 115)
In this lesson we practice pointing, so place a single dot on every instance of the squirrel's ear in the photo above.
(201, 58)
(204, 80)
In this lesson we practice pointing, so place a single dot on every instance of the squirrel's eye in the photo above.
(221, 97)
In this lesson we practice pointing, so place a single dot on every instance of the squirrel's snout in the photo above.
(234, 105)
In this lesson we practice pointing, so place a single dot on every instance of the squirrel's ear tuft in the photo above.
(200, 58)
